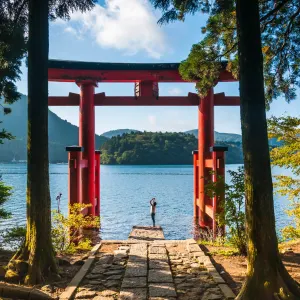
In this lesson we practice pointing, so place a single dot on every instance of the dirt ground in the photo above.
(233, 268)
(68, 267)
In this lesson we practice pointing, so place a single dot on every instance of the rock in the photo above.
(134, 282)
(12, 276)
(108, 293)
(116, 267)
(94, 276)
(79, 262)
(287, 251)
(194, 265)
(113, 272)
(103, 298)
(176, 261)
(157, 275)
(63, 262)
(185, 285)
(125, 248)
(133, 294)
(105, 258)
(95, 282)
(98, 270)
(2, 272)
(112, 283)
(114, 277)
(85, 257)
(162, 290)
(208, 296)
(85, 295)
(48, 288)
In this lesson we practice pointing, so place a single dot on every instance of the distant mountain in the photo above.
(61, 134)
(111, 133)
(222, 137)
(231, 137)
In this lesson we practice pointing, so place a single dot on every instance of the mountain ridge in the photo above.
(61, 134)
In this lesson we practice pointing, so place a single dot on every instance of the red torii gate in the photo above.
(84, 161)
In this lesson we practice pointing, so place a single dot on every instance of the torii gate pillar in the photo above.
(87, 141)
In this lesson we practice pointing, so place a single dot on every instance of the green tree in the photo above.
(5, 193)
(37, 250)
(237, 31)
(286, 130)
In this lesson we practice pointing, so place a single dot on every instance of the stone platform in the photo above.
(146, 233)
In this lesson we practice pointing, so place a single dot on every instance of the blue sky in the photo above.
(126, 31)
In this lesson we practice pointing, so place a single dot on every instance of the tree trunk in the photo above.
(267, 277)
(38, 250)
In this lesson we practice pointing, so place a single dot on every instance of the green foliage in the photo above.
(66, 230)
(149, 148)
(280, 32)
(5, 193)
(287, 131)
(233, 208)
(14, 237)
(13, 41)
(157, 148)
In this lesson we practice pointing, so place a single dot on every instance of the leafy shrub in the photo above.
(293, 231)
(66, 230)
(232, 212)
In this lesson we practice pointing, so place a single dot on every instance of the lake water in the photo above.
(125, 195)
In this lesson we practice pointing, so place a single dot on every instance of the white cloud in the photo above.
(175, 91)
(70, 30)
(152, 120)
(127, 25)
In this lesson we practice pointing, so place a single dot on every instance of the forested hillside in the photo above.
(151, 148)
(61, 134)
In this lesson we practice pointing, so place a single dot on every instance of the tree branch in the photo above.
(274, 10)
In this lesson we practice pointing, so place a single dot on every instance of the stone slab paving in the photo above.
(146, 233)
(192, 278)
(104, 279)
(154, 270)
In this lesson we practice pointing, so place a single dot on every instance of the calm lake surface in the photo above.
(125, 195)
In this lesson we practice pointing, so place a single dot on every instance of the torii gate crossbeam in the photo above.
(84, 161)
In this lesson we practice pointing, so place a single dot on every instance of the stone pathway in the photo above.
(148, 267)
(103, 281)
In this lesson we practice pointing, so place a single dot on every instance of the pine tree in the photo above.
(260, 40)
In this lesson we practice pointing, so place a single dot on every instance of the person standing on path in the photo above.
(153, 210)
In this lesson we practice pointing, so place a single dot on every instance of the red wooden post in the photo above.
(87, 141)
(218, 156)
(74, 179)
(97, 182)
(205, 141)
(196, 183)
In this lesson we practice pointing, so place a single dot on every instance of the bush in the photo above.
(232, 212)
(293, 231)
(66, 230)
